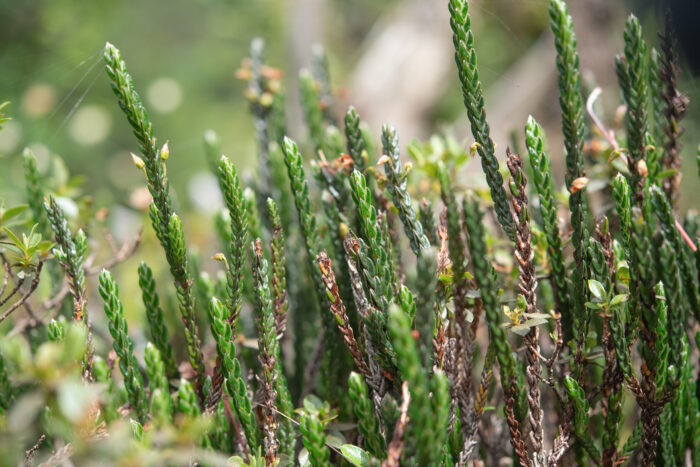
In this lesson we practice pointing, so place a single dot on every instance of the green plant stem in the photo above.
(465, 57)
(398, 187)
(123, 346)
(156, 320)
(165, 222)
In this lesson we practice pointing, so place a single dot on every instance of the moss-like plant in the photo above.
(470, 327)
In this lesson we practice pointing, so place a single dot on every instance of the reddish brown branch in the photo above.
(340, 313)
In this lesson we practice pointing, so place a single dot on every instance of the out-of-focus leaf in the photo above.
(355, 455)
(597, 290)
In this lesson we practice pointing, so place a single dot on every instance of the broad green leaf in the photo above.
(520, 329)
(619, 299)
(597, 290)
(13, 212)
(354, 455)
(15, 239)
(531, 323)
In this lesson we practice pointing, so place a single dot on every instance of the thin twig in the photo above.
(5, 278)
(27, 294)
(127, 249)
(13, 291)
(237, 429)
(29, 455)
(608, 134)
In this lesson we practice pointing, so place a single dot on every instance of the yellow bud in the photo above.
(219, 257)
(165, 152)
(266, 99)
(473, 148)
(343, 230)
(138, 162)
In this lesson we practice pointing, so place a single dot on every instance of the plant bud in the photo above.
(165, 152)
(383, 160)
(219, 257)
(266, 99)
(642, 168)
(138, 162)
(578, 184)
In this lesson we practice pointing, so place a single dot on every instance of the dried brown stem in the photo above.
(269, 398)
(29, 454)
(482, 393)
(340, 313)
(377, 381)
(527, 285)
(443, 262)
(120, 255)
(14, 290)
(516, 438)
(459, 366)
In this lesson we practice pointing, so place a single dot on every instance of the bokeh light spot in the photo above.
(90, 125)
(164, 95)
(42, 154)
(39, 100)
(204, 192)
(10, 136)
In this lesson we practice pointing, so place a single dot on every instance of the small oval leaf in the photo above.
(355, 455)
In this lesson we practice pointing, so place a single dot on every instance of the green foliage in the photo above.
(156, 318)
(165, 221)
(429, 427)
(544, 184)
(484, 275)
(571, 103)
(577, 315)
(373, 235)
(6, 392)
(398, 187)
(70, 253)
(632, 70)
(237, 245)
(158, 382)
(465, 57)
(367, 422)
(123, 346)
(231, 369)
(35, 195)
(314, 439)
(356, 143)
